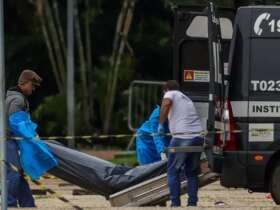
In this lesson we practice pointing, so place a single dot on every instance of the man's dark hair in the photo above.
(171, 85)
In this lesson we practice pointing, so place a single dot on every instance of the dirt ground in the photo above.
(58, 194)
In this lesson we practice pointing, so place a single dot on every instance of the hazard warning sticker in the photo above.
(196, 76)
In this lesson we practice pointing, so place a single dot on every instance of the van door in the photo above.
(191, 55)
(234, 161)
(264, 91)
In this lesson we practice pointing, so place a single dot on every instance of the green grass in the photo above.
(127, 158)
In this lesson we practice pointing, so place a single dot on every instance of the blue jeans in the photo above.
(190, 163)
(19, 193)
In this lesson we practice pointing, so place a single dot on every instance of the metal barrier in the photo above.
(143, 97)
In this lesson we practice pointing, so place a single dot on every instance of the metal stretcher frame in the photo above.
(186, 149)
(154, 191)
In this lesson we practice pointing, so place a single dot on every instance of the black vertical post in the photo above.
(70, 73)
(211, 110)
(2, 113)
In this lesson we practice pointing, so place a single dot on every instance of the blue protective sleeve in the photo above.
(35, 156)
(158, 139)
(152, 144)
(21, 125)
(145, 149)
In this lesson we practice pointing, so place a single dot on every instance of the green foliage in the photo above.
(126, 158)
(151, 59)
(51, 116)
(103, 76)
(27, 49)
(150, 39)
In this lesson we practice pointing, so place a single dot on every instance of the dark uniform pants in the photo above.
(19, 193)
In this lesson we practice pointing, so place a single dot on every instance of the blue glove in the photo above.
(160, 129)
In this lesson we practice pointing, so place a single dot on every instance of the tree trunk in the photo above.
(83, 73)
(52, 59)
(55, 39)
(118, 34)
(112, 92)
(39, 6)
(88, 37)
(60, 30)
(116, 43)
(89, 60)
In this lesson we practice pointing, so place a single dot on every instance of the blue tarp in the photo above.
(35, 156)
(149, 147)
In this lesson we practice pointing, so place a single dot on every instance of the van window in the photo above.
(265, 67)
(199, 28)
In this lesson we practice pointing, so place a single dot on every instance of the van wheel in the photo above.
(275, 183)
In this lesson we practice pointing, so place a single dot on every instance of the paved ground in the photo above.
(58, 194)
(209, 196)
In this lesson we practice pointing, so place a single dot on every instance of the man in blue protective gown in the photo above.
(151, 148)
(19, 124)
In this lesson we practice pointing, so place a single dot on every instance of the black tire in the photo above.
(275, 183)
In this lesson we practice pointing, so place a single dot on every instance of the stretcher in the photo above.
(123, 186)
(154, 191)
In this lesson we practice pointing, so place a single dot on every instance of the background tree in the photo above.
(115, 43)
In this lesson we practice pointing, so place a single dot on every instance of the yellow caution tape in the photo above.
(121, 136)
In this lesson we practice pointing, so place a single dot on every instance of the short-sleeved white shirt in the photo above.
(182, 116)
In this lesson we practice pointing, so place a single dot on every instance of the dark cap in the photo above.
(29, 75)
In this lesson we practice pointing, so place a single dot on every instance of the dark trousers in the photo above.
(19, 193)
(190, 163)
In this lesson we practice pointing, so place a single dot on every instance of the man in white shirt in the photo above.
(185, 126)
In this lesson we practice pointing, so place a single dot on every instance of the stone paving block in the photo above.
(233, 199)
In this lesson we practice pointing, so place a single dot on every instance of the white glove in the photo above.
(163, 156)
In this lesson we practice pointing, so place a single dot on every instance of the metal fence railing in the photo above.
(143, 97)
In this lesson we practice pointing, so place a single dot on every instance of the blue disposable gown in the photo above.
(35, 156)
(149, 147)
